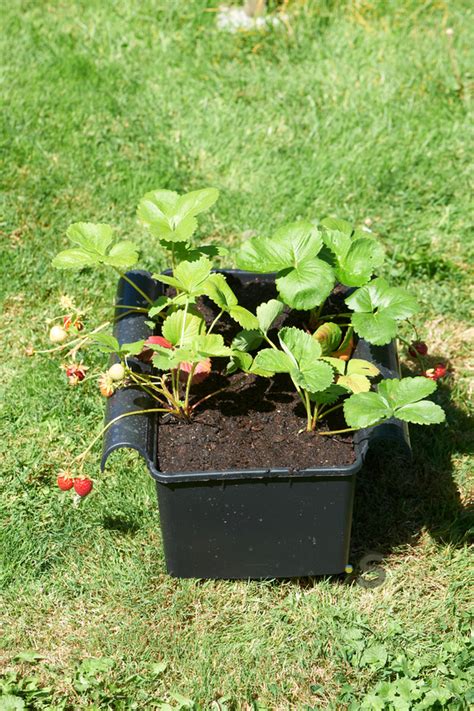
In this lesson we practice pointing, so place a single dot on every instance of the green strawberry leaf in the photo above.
(333, 223)
(338, 364)
(424, 412)
(306, 285)
(328, 396)
(377, 308)
(395, 398)
(355, 382)
(329, 336)
(188, 277)
(106, 343)
(181, 328)
(359, 263)
(132, 348)
(94, 241)
(159, 305)
(183, 252)
(365, 409)
(196, 201)
(406, 391)
(247, 340)
(304, 351)
(267, 313)
(74, 259)
(239, 360)
(357, 366)
(269, 361)
(171, 217)
(122, 255)
(375, 328)
(218, 290)
(244, 317)
(303, 281)
(209, 345)
(91, 237)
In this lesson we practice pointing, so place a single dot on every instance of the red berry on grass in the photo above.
(65, 481)
(82, 486)
(418, 347)
(439, 371)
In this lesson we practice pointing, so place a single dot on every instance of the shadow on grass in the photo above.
(397, 499)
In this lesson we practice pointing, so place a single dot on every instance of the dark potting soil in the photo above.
(252, 423)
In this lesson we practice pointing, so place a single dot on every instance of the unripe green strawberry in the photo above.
(116, 372)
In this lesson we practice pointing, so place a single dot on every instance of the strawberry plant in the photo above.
(309, 261)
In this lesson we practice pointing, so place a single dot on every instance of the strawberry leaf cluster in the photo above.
(308, 260)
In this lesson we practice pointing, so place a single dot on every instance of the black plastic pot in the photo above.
(262, 523)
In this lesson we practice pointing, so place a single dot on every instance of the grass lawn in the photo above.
(355, 109)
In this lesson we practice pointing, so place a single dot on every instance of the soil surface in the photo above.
(252, 423)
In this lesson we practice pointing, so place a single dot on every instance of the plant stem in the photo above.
(80, 341)
(135, 286)
(132, 308)
(326, 412)
(348, 429)
(309, 414)
(188, 387)
(270, 342)
(347, 313)
(209, 330)
(84, 454)
(333, 432)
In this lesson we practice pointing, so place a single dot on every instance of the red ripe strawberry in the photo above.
(82, 486)
(439, 371)
(418, 347)
(65, 481)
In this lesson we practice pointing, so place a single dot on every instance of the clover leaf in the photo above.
(378, 307)
(303, 281)
(402, 399)
(172, 217)
(93, 242)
